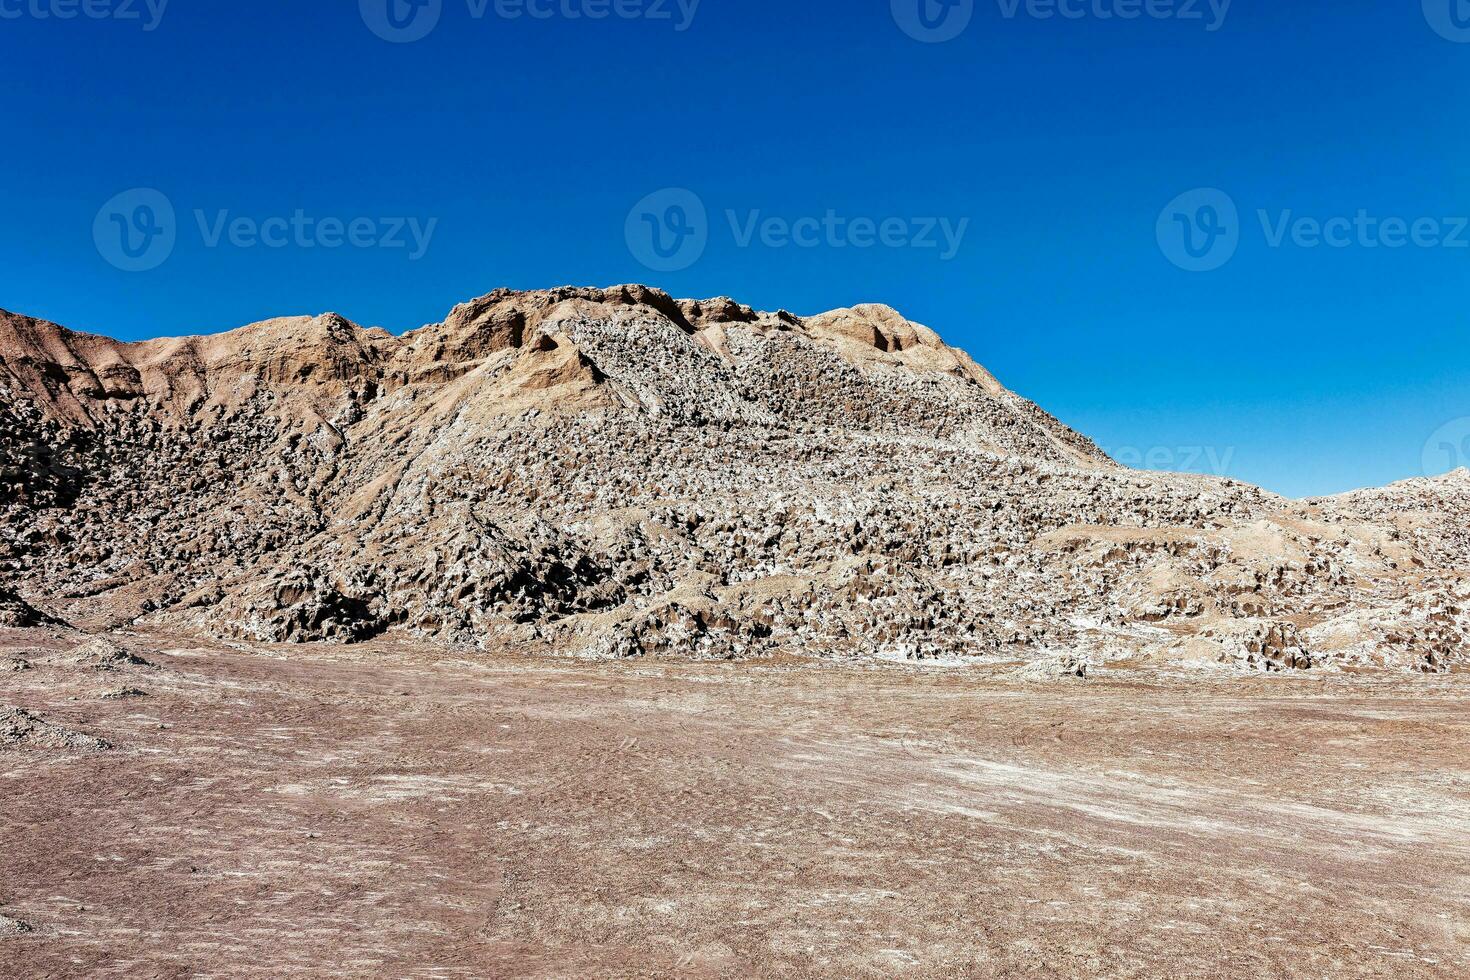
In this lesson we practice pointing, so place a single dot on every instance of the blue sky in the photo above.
(828, 149)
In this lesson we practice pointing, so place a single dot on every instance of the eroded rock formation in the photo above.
(617, 473)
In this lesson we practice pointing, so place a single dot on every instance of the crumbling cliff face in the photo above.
(616, 473)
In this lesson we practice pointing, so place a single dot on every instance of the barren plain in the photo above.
(397, 810)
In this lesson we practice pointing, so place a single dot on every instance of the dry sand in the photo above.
(404, 811)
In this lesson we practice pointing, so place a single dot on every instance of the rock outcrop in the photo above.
(20, 729)
(16, 613)
(616, 473)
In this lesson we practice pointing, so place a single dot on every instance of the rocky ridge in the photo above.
(616, 473)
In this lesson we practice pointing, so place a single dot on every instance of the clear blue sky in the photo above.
(1061, 140)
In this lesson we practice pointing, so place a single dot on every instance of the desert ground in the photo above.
(397, 810)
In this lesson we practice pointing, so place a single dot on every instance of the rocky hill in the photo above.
(615, 473)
